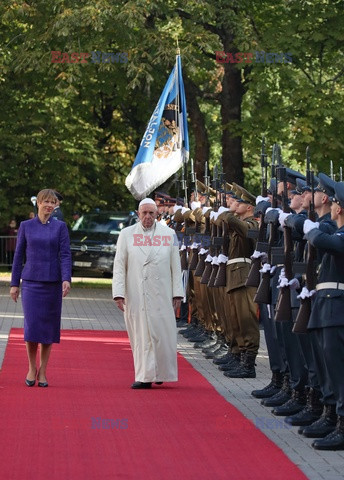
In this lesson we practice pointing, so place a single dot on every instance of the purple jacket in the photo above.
(46, 248)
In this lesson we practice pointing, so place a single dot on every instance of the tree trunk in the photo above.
(198, 126)
(231, 99)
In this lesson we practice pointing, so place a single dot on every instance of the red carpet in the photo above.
(89, 425)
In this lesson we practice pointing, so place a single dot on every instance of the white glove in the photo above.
(209, 258)
(270, 208)
(265, 268)
(215, 261)
(222, 209)
(282, 279)
(309, 225)
(305, 293)
(203, 251)
(205, 209)
(214, 215)
(176, 207)
(262, 199)
(282, 217)
(257, 254)
(222, 258)
(185, 209)
(294, 284)
(195, 205)
(195, 245)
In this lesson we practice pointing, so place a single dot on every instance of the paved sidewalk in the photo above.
(94, 309)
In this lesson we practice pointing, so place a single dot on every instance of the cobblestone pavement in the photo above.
(94, 309)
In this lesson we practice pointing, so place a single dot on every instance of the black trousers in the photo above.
(333, 343)
(318, 344)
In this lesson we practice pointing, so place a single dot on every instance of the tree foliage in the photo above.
(76, 127)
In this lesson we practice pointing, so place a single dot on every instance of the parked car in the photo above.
(93, 241)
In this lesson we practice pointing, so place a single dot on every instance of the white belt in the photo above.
(238, 260)
(335, 285)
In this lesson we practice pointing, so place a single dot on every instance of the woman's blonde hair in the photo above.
(46, 194)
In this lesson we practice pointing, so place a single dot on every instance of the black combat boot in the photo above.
(310, 413)
(222, 351)
(199, 339)
(334, 440)
(246, 367)
(294, 405)
(280, 397)
(224, 359)
(199, 333)
(219, 349)
(210, 341)
(325, 425)
(274, 387)
(232, 364)
(190, 330)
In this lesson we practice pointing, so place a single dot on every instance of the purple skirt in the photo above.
(42, 305)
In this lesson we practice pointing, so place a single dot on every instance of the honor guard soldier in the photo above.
(327, 318)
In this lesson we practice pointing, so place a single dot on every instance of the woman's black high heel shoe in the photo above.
(30, 383)
(42, 384)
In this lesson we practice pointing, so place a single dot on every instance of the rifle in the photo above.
(301, 322)
(183, 252)
(194, 258)
(216, 229)
(263, 294)
(213, 229)
(206, 236)
(283, 311)
(253, 278)
(222, 238)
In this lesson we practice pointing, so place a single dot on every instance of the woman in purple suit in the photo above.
(43, 243)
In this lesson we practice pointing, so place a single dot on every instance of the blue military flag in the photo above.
(165, 144)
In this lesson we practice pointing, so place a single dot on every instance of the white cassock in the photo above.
(148, 277)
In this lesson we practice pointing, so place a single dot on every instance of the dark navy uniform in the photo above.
(327, 319)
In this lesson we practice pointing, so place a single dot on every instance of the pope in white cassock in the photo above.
(147, 287)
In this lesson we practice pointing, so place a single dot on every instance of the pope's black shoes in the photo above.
(334, 440)
(141, 385)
